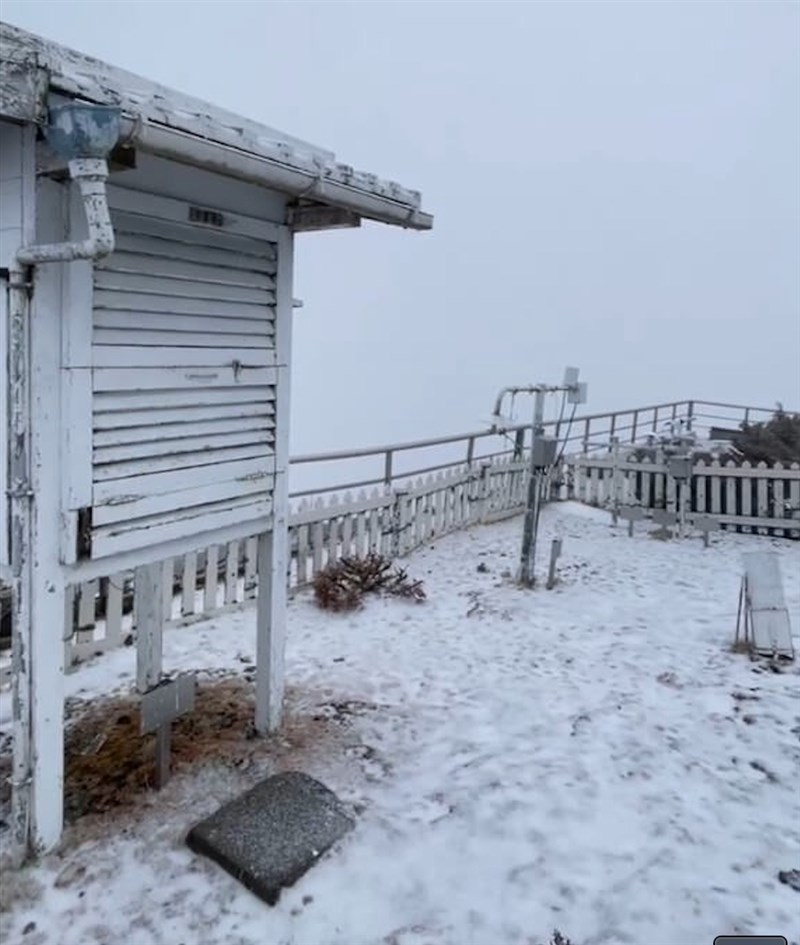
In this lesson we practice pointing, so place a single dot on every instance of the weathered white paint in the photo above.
(215, 312)
(193, 311)
(181, 181)
(23, 85)
(273, 551)
(90, 177)
(148, 623)
(189, 130)
(5, 558)
(47, 581)
(12, 189)
(767, 614)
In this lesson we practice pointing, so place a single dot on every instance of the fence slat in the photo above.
(250, 567)
(332, 542)
(189, 584)
(716, 490)
(87, 602)
(701, 481)
(210, 580)
(347, 529)
(375, 527)
(317, 541)
(764, 510)
(361, 530)
(167, 587)
(68, 630)
(302, 550)
(114, 598)
(745, 506)
(794, 493)
(231, 573)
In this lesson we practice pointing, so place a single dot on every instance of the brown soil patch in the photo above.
(109, 765)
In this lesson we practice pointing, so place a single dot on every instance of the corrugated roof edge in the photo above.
(90, 79)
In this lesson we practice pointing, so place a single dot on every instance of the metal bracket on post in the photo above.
(631, 515)
(166, 702)
(679, 468)
(706, 524)
(162, 700)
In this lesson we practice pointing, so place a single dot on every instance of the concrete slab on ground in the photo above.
(270, 836)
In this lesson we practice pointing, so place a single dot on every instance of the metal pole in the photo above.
(163, 745)
(528, 555)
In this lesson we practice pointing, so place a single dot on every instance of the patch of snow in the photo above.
(593, 758)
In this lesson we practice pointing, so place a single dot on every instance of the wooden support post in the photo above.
(273, 545)
(148, 615)
(271, 628)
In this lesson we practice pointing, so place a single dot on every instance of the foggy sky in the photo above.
(615, 186)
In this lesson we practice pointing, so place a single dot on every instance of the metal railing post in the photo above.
(470, 450)
(387, 468)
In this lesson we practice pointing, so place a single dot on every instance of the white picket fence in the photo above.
(389, 521)
(488, 483)
(758, 499)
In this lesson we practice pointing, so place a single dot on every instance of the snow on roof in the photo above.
(30, 66)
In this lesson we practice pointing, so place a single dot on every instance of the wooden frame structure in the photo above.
(148, 386)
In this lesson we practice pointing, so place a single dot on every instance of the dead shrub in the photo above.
(342, 584)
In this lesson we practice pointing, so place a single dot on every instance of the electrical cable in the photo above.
(566, 435)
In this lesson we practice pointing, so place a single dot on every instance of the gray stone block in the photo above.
(270, 836)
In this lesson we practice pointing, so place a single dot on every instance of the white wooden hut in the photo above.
(145, 344)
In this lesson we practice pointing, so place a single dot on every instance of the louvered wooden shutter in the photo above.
(183, 374)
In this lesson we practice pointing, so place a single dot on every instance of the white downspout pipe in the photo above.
(90, 174)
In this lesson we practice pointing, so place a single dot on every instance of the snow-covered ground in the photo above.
(593, 759)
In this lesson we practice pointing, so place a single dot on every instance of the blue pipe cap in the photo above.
(82, 130)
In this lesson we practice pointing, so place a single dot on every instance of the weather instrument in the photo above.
(543, 454)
